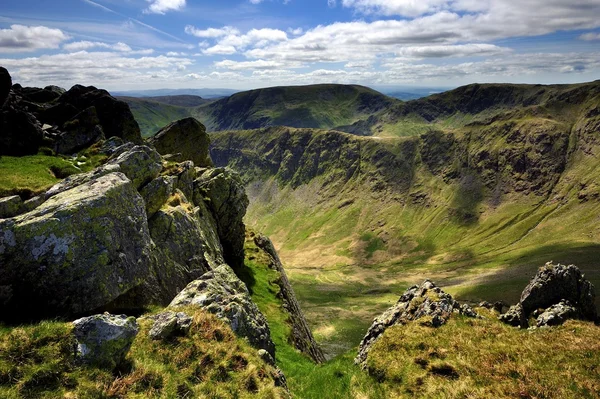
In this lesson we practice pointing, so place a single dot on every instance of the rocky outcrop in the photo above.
(227, 201)
(104, 340)
(427, 304)
(64, 121)
(78, 251)
(556, 293)
(301, 336)
(187, 138)
(222, 293)
(170, 324)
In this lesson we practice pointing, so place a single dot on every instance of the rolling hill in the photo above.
(152, 114)
(478, 188)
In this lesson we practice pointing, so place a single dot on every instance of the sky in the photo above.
(245, 44)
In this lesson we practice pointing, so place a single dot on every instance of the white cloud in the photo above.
(590, 36)
(86, 45)
(459, 50)
(256, 1)
(211, 32)
(296, 32)
(409, 8)
(20, 38)
(219, 50)
(163, 6)
(230, 40)
(248, 65)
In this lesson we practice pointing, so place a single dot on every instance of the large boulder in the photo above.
(78, 251)
(20, 132)
(169, 324)
(222, 293)
(556, 293)
(10, 206)
(5, 85)
(186, 137)
(427, 304)
(103, 340)
(226, 198)
(141, 164)
(80, 132)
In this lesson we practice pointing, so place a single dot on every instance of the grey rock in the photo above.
(427, 303)
(79, 179)
(222, 293)
(104, 340)
(514, 316)
(225, 196)
(187, 137)
(80, 132)
(557, 314)
(170, 324)
(77, 252)
(140, 164)
(185, 179)
(10, 206)
(156, 193)
(555, 282)
(110, 145)
(32, 203)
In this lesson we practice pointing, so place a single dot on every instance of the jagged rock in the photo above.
(110, 145)
(185, 179)
(557, 314)
(187, 137)
(514, 316)
(227, 202)
(56, 89)
(554, 282)
(80, 132)
(80, 178)
(140, 164)
(10, 206)
(222, 293)
(156, 193)
(426, 303)
(169, 324)
(557, 288)
(32, 203)
(5, 85)
(104, 340)
(77, 252)
(301, 335)
(20, 132)
(37, 95)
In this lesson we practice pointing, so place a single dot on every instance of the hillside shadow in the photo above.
(508, 283)
(467, 198)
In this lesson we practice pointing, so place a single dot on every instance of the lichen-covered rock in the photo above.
(169, 324)
(426, 303)
(187, 137)
(156, 193)
(77, 252)
(555, 282)
(79, 179)
(140, 164)
(103, 340)
(301, 335)
(222, 293)
(514, 316)
(185, 179)
(10, 206)
(557, 314)
(226, 198)
(80, 132)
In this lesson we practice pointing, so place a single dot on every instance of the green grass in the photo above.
(36, 361)
(485, 358)
(152, 116)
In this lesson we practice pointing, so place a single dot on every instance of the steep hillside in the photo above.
(153, 115)
(316, 106)
(475, 206)
(182, 100)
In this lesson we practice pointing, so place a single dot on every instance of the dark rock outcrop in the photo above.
(560, 292)
(186, 137)
(5, 85)
(104, 340)
(426, 303)
(80, 132)
(301, 335)
(170, 324)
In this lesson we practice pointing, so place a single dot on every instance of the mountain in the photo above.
(480, 186)
(315, 106)
(152, 115)
(204, 93)
(182, 100)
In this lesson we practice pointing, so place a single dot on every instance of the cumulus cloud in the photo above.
(86, 45)
(20, 38)
(590, 36)
(164, 6)
(231, 40)
(211, 32)
(248, 65)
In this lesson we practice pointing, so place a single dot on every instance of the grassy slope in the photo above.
(352, 244)
(153, 115)
(317, 106)
(36, 361)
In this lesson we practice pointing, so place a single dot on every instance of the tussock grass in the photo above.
(36, 361)
(468, 358)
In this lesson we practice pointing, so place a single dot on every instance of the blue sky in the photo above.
(242, 44)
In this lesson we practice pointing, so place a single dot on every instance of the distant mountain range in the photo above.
(204, 93)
